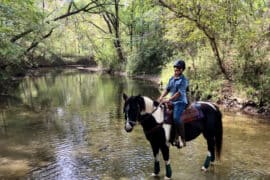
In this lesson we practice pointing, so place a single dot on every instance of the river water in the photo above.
(68, 124)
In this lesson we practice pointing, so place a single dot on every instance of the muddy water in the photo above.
(69, 125)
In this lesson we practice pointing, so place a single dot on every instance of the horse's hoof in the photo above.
(154, 175)
(203, 169)
(166, 178)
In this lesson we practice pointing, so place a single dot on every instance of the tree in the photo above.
(207, 17)
(112, 20)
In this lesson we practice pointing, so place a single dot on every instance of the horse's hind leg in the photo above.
(211, 153)
(155, 150)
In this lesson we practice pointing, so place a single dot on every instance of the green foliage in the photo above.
(240, 29)
(16, 17)
(151, 50)
(106, 56)
(151, 58)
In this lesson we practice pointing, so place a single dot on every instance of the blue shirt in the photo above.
(180, 85)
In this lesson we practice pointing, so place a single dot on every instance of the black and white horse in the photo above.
(151, 116)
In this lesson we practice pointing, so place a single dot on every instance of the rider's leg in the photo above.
(181, 132)
(179, 126)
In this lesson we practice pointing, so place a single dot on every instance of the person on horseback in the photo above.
(177, 87)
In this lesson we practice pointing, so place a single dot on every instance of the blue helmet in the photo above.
(180, 64)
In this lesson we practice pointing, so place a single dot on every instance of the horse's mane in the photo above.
(148, 104)
(140, 100)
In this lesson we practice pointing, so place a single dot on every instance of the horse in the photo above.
(150, 114)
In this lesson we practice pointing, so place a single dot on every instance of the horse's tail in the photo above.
(218, 133)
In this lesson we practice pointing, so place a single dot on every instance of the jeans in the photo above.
(178, 109)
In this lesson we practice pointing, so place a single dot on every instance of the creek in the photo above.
(68, 124)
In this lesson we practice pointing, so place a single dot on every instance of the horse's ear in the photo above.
(125, 96)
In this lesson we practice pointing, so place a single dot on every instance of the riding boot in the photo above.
(181, 131)
(177, 139)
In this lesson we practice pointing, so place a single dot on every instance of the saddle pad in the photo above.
(191, 113)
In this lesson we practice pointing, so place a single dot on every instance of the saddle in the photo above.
(192, 113)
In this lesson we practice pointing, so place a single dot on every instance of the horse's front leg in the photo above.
(166, 156)
(155, 150)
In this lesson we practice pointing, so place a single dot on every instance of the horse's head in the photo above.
(133, 107)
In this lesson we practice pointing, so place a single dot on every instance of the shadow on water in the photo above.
(69, 125)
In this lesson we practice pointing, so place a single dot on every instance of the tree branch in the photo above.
(35, 43)
(69, 6)
(108, 23)
(73, 12)
(85, 8)
(15, 38)
(98, 27)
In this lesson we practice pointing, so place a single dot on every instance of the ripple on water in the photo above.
(248, 174)
(81, 136)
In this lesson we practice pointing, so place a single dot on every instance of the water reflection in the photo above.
(69, 125)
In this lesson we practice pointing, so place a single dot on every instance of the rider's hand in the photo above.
(165, 101)
(162, 100)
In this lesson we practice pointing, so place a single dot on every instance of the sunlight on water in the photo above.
(70, 125)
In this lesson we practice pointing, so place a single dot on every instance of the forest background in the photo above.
(225, 43)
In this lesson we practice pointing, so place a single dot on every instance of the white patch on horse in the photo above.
(157, 157)
(167, 129)
(158, 114)
(211, 105)
(148, 105)
(128, 126)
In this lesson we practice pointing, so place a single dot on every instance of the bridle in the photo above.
(130, 123)
(139, 114)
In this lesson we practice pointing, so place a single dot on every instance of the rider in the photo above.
(177, 87)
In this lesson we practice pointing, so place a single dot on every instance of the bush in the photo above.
(150, 57)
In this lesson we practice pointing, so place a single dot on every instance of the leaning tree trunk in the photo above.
(117, 42)
(207, 33)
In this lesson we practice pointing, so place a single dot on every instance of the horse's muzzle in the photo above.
(128, 127)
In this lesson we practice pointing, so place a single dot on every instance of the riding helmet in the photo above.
(180, 64)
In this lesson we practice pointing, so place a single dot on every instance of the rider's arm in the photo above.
(165, 92)
(175, 96)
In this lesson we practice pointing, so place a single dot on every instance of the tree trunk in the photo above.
(112, 21)
(117, 42)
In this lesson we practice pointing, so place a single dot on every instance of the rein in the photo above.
(154, 110)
